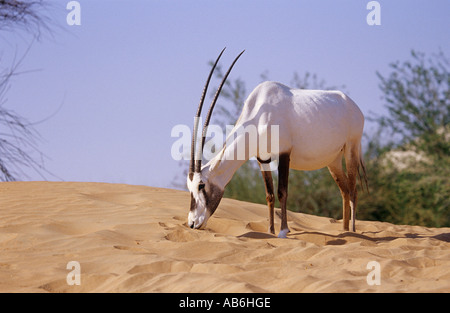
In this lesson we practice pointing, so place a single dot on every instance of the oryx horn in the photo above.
(198, 163)
(197, 117)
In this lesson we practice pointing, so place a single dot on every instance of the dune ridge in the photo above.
(135, 239)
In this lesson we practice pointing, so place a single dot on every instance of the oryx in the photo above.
(316, 128)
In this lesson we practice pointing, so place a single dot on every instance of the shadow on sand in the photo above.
(344, 237)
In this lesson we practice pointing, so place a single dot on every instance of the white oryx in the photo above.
(316, 129)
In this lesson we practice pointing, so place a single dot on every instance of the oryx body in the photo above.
(314, 125)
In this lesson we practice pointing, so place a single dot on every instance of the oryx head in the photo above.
(205, 195)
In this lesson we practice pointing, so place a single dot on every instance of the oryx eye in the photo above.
(201, 186)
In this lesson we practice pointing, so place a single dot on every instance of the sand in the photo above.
(135, 239)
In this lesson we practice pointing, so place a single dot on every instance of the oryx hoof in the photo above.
(283, 233)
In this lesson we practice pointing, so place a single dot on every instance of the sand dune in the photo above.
(134, 239)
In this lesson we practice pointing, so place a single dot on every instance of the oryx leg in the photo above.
(338, 174)
(270, 197)
(283, 176)
(352, 163)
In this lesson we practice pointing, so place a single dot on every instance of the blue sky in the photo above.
(134, 69)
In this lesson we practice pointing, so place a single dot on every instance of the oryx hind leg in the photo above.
(341, 179)
(352, 160)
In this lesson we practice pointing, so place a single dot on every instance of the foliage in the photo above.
(23, 15)
(417, 94)
(414, 190)
(17, 136)
(408, 197)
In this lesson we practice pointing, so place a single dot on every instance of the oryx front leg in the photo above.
(283, 176)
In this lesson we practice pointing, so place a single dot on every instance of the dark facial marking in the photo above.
(213, 195)
(192, 203)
